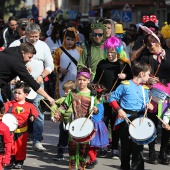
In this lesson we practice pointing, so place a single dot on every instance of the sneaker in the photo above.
(38, 147)
(146, 147)
(103, 153)
(58, 157)
(152, 158)
(10, 166)
(163, 159)
(95, 162)
(91, 165)
(18, 166)
(115, 155)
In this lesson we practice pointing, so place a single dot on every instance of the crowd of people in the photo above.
(101, 72)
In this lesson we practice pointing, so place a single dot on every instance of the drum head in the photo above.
(32, 95)
(11, 121)
(143, 131)
(75, 128)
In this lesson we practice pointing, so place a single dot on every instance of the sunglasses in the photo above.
(95, 35)
(120, 35)
(131, 30)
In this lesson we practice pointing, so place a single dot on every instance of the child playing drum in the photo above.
(100, 139)
(22, 110)
(111, 70)
(134, 100)
(80, 99)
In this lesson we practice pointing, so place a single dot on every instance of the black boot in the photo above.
(163, 158)
(152, 157)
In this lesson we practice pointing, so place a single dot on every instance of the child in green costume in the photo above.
(80, 99)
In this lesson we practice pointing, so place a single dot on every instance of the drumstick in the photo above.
(117, 79)
(146, 110)
(130, 122)
(86, 67)
(48, 106)
(161, 120)
(100, 77)
(86, 120)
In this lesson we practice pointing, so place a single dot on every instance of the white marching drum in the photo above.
(82, 135)
(144, 133)
(11, 121)
(32, 95)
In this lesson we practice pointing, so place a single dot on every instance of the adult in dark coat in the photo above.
(12, 64)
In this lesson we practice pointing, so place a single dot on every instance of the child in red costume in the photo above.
(23, 111)
(5, 143)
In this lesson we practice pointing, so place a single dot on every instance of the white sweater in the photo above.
(41, 60)
(52, 45)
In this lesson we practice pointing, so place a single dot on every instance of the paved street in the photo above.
(43, 160)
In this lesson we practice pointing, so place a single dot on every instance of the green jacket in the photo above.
(97, 54)
(67, 116)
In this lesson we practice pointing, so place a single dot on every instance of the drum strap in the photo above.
(10, 109)
(143, 94)
(69, 55)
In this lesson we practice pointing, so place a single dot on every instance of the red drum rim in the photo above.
(85, 139)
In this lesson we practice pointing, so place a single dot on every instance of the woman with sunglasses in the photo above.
(159, 79)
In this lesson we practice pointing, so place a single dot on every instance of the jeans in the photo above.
(63, 139)
(38, 124)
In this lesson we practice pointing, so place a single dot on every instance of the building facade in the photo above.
(137, 9)
(44, 6)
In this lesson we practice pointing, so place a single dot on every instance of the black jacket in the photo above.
(12, 65)
(9, 36)
(110, 74)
